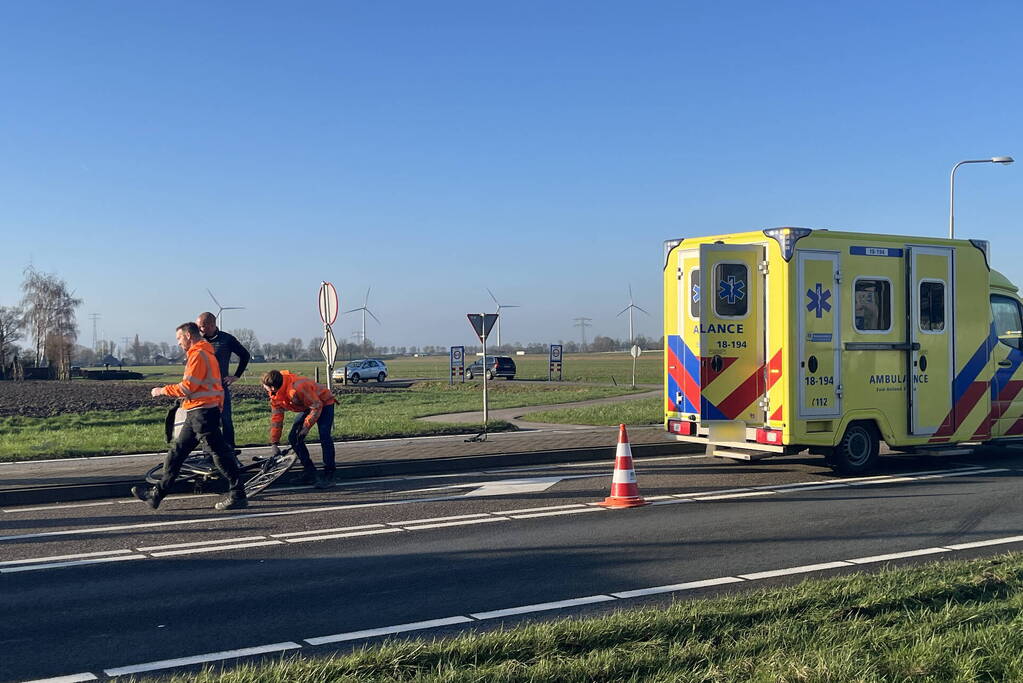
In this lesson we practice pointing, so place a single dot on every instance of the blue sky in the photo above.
(429, 150)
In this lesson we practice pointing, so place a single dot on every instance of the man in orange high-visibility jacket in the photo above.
(315, 405)
(203, 395)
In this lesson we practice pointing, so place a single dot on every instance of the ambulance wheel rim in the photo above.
(858, 448)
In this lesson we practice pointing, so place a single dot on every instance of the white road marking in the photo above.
(461, 522)
(540, 509)
(677, 587)
(196, 544)
(728, 496)
(200, 659)
(350, 534)
(358, 527)
(555, 513)
(982, 544)
(898, 556)
(541, 607)
(72, 678)
(387, 630)
(214, 549)
(794, 570)
(76, 556)
(437, 519)
(54, 565)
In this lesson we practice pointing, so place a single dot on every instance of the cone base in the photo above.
(623, 502)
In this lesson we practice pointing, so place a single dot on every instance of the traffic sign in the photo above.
(635, 350)
(482, 323)
(329, 346)
(327, 299)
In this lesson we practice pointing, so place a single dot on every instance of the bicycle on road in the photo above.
(200, 470)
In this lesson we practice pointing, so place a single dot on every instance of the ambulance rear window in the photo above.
(932, 306)
(873, 305)
(732, 286)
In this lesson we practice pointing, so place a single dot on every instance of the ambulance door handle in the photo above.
(1005, 363)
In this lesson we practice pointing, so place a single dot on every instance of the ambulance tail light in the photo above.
(683, 427)
(786, 239)
(769, 436)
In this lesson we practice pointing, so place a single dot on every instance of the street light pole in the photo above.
(952, 187)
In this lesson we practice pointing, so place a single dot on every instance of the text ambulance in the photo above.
(790, 338)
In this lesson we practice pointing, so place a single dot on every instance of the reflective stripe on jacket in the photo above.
(200, 387)
(297, 394)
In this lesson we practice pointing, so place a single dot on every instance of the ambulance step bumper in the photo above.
(735, 454)
(770, 449)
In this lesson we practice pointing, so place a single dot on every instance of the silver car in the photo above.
(362, 370)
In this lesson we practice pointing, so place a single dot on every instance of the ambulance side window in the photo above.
(1005, 313)
(694, 294)
(873, 308)
(732, 286)
(932, 306)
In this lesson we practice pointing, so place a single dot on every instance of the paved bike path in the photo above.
(41, 481)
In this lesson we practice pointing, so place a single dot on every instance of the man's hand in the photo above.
(303, 433)
(229, 380)
(275, 450)
(157, 391)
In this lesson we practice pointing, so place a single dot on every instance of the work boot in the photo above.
(149, 496)
(308, 476)
(325, 480)
(232, 503)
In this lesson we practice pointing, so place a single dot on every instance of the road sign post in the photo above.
(457, 363)
(555, 363)
(634, 351)
(482, 323)
(328, 304)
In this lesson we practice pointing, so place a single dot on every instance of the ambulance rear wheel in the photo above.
(858, 450)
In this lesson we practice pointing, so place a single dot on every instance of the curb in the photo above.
(363, 470)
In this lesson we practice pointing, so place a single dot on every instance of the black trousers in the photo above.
(325, 425)
(202, 425)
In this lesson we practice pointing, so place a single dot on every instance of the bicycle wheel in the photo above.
(194, 466)
(271, 470)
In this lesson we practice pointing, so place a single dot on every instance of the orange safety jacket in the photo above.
(297, 394)
(200, 387)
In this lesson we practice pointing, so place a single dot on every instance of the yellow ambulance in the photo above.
(789, 339)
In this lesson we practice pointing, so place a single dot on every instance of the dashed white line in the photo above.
(201, 659)
(388, 630)
(555, 513)
(677, 587)
(461, 522)
(72, 678)
(76, 563)
(197, 544)
(542, 607)
(214, 549)
(794, 570)
(341, 529)
(350, 534)
(984, 544)
(898, 556)
(76, 556)
(438, 519)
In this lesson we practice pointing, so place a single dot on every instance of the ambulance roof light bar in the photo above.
(952, 187)
(786, 239)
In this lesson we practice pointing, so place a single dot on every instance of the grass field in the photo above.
(598, 368)
(380, 414)
(951, 621)
(644, 411)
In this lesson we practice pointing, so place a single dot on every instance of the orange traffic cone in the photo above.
(624, 491)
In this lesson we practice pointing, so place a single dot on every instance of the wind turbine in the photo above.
(365, 309)
(221, 309)
(629, 309)
(499, 307)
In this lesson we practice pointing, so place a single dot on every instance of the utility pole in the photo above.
(582, 324)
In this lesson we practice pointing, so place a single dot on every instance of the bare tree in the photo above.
(49, 314)
(10, 332)
(247, 338)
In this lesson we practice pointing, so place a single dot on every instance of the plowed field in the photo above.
(46, 399)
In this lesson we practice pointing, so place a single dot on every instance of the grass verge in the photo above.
(949, 621)
(357, 416)
(644, 411)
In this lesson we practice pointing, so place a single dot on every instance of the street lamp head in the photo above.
(1002, 160)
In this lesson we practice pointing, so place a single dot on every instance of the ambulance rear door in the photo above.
(820, 367)
(684, 347)
(732, 336)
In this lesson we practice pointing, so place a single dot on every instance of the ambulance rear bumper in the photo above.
(757, 439)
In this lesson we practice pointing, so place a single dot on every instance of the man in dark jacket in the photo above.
(224, 345)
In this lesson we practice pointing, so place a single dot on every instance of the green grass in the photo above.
(951, 621)
(643, 411)
(357, 416)
(602, 368)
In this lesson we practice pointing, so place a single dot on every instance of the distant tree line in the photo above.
(45, 317)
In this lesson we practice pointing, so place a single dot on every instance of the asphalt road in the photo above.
(110, 587)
